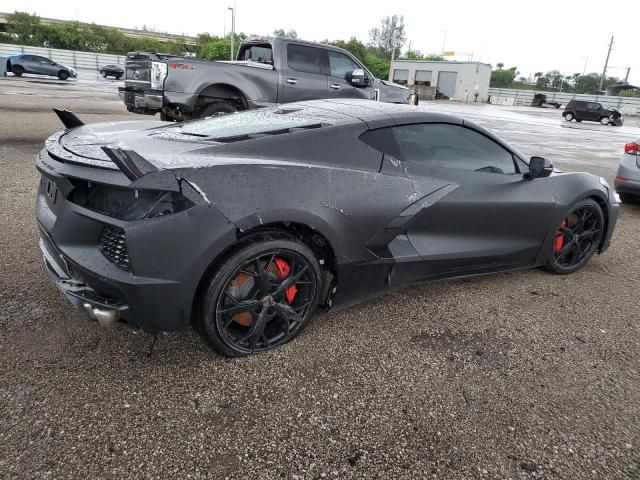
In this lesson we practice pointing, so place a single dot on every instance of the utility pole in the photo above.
(626, 77)
(233, 28)
(606, 63)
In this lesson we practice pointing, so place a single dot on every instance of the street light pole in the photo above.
(233, 28)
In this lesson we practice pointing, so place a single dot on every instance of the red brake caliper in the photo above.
(558, 241)
(283, 272)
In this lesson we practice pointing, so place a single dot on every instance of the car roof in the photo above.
(378, 114)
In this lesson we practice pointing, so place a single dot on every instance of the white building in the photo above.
(457, 80)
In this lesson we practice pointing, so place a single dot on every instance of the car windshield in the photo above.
(252, 122)
(606, 106)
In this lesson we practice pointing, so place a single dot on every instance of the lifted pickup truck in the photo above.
(268, 71)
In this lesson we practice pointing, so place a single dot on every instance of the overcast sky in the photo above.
(539, 37)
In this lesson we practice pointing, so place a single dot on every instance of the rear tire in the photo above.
(569, 116)
(579, 237)
(217, 108)
(63, 75)
(226, 332)
(17, 70)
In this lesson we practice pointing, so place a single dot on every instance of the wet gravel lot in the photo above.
(518, 375)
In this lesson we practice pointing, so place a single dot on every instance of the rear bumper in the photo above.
(168, 255)
(144, 102)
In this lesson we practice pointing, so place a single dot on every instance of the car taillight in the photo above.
(632, 148)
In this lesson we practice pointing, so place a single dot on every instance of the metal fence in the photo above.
(69, 58)
(627, 105)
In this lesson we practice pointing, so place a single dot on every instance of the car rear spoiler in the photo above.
(68, 118)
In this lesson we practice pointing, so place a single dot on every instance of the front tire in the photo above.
(17, 70)
(262, 296)
(569, 116)
(104, 74)
(604, 121)
(577, 238)
(63, 75)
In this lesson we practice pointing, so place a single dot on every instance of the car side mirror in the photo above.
(358, 78)
(539, 167)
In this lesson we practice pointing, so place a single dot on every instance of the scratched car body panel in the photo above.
(145, 217)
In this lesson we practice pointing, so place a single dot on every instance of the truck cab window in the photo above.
(258, 54)
(304, 59)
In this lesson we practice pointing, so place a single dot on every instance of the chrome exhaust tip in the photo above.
(106, 318)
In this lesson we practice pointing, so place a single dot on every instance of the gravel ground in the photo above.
(517, 375)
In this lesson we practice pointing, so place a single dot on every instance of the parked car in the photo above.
(269, 71)
(241, 225)
(23, 63)
(627, 182)
(112, 71)
(540, 100)
(580, 110)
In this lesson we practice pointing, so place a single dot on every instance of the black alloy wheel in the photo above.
(261, 298)
(577, 238)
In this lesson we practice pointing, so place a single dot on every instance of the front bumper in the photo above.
(145, 102)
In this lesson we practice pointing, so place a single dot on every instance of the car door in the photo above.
(341, 68)
(488, 215)
(28, 62)
(303, 77)
(593, 111)
(44, 66)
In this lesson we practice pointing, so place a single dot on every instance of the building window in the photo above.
(401, 77)
(423, 77)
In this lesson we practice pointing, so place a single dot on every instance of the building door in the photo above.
(447, 83)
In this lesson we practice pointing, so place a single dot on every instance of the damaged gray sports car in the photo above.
(242, 225)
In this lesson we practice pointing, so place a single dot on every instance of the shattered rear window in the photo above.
(247, 124)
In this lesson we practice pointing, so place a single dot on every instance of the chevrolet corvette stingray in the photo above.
(242, 225)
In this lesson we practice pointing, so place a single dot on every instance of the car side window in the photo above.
(594, 106)
(340, 65)
(453, 146)
(304, 59)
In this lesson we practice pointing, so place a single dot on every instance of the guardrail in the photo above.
(68, 58)
(627, 105)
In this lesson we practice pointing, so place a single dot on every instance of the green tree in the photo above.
(218, 49)
(353, 46)
(503, 78)
(279, 32)
(24, 27)
(416, 55)
(389, 36)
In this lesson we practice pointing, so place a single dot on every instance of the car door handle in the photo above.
(292, 81)
(335, 86)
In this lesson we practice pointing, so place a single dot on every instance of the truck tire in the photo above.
(217, 108)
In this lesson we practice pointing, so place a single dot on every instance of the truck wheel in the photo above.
(62, 75)
(218, 108)
(17, 70)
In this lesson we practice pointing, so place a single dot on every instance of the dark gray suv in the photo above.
(19, 64)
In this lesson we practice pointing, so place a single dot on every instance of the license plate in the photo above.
(51, 191)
